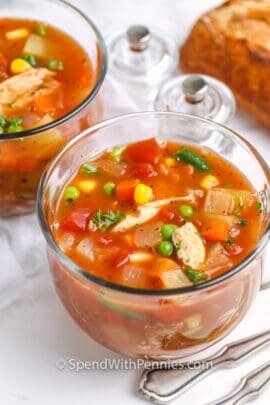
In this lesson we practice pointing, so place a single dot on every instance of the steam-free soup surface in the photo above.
(157, 215)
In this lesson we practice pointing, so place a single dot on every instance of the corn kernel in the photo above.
(19, 66)
(20, 33)
(87, 186)
(143, 194)
(209, 182)
(170, 162)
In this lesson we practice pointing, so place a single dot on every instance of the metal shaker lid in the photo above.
(141, 55)
(199, 95)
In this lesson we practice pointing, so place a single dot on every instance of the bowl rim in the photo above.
(78, 271)
(101, 76)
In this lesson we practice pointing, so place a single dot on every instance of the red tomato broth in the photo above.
(165, 184)
(23, 160)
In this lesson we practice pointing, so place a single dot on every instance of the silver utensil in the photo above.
(249, 387)
(170, 381)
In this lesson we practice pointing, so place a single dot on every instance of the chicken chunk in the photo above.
(22, 89)
(189, 245)
(146, 212)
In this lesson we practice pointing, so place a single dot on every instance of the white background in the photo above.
(36, 331)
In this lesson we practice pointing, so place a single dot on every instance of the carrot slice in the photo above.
(215, 230)
(44, 104)
(125, 190)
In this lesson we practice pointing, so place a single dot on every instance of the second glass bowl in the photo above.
(18, 186)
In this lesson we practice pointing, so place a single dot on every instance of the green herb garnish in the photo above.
(14, 125)
(10, 104)
(229, 241)
(10, 125)
(41, 30)
(104, 220)
(259, 207)
(242, 222)
(31, 59)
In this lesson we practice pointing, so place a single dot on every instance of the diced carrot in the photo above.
(125, 190)
(44, 104)
(215, 230)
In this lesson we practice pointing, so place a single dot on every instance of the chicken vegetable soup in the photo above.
(157, 215)
(44, 75)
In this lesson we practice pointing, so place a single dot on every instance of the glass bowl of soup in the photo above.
(52, 64)
(155, 227)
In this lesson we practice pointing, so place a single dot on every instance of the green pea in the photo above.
(72, 193)
(167, 230)
(116, 153)
(196, 276)
(109, 188)
(165, 248)
(54, 65)
(89, 168)
(186, 210)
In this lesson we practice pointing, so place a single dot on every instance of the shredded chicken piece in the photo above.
(189, 245)
(146, 212)
(23, 88)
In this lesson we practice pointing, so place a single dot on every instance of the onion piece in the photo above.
(217, 259)
(85, 249)
(111, 168)
(148, 235)
(133, 275)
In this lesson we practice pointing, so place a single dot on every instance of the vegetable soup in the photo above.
(157, 215)
(44, 75)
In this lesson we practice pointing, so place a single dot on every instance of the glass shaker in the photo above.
(199, 95)
(140, 59)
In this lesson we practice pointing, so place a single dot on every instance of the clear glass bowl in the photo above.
(18, 188)
(154, 324)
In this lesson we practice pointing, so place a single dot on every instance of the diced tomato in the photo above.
(142, 170)
(147, 151)
(125, 190)
(121, 258)
(105, 240)
(77, 220)
(167, 213)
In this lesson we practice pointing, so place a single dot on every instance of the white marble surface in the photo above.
(35, 332)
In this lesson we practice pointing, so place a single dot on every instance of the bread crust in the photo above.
(232, 43)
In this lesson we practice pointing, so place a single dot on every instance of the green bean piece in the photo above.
(190, 157)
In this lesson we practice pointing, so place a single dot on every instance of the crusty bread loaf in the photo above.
(232, 43)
